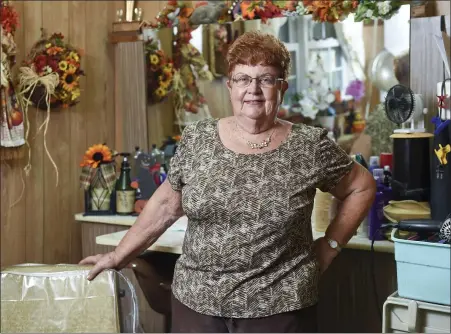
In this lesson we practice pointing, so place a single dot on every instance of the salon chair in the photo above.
(154, 272)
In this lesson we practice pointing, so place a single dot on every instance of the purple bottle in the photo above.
(374, 163)
(376, 215)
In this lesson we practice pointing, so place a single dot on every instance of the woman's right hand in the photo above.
(101, 262)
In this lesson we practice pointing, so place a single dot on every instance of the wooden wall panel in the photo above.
(41, 227)
(424, 55)
(35, 199)
(78, 116)
(58, 144)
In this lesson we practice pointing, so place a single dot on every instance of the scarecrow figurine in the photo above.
(11, 116)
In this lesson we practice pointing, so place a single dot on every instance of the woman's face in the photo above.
(256, 98)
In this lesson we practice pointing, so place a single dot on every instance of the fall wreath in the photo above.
(50, 76)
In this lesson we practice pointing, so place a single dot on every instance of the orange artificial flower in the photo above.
(95, 155)
(248, 14)
(54, 50)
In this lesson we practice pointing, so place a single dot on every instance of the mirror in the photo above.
(332, 63)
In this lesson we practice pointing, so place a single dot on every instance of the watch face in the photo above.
(333, 243)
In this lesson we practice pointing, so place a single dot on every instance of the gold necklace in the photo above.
(262, 144)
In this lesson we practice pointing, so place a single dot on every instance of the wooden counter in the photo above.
(172, 240)
(347, 298)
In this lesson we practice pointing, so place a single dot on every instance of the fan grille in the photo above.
(399, 104)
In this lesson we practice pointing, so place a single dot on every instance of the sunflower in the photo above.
(63, 65)
(69, 80)
(96, 155)
(154, 59)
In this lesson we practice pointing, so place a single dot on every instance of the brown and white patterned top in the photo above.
(247, 251)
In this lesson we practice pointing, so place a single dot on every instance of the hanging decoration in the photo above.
(52, 59)
(189, 65)
(330, 11)
(160, 72)
(98, 179)
(12, 130)
(323, 11)
(264, 10)
(373, 10)
(49, 79)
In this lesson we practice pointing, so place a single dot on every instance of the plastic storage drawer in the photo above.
(401, 315)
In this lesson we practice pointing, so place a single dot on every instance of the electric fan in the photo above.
(402, 106)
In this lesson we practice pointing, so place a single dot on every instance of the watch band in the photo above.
(334, 244)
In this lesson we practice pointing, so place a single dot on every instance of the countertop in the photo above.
(172, 240)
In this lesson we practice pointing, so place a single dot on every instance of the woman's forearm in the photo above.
(350, 214)
(159, 213)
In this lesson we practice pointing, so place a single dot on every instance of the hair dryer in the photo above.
(427, 226)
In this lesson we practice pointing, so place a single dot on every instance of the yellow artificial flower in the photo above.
(161, 92)
(72, 67)
(154, 60)
(62, 95)
(63, 65)
(75, 94)
(167, 70)
(69, 80)
(48, 45)
(73, 55)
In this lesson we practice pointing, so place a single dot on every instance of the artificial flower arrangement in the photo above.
(192, 66)
(356, 89)
(52, 70)
(98, 179)
(316, 100)
(175, 13)
(188, 63)
(370, 10)
(264, 10)
(220, 39)
(329, 11)
(160, 72)
(9, 17)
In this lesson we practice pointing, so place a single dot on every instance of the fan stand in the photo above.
(419, 122)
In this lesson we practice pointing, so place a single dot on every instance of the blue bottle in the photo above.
(376, 215)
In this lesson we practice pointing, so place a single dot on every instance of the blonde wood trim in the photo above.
(412, 135)
(131, 101)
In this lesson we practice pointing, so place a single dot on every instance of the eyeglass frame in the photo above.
(257, 79)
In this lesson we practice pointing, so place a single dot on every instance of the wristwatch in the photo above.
(333, 244)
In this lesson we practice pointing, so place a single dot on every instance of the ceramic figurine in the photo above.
(208, 13)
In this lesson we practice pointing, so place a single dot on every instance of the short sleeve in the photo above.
(181, 159)
(333, 163)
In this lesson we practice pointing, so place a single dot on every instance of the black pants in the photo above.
(185, 320)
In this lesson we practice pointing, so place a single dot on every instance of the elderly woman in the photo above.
(247, 185)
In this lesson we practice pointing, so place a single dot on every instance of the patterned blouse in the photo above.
(247, 251)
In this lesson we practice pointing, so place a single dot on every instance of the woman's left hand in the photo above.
(324, 253)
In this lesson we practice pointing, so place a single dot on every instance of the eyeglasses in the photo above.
(265, 81)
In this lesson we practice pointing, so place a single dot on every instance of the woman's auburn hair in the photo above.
(258, 48)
